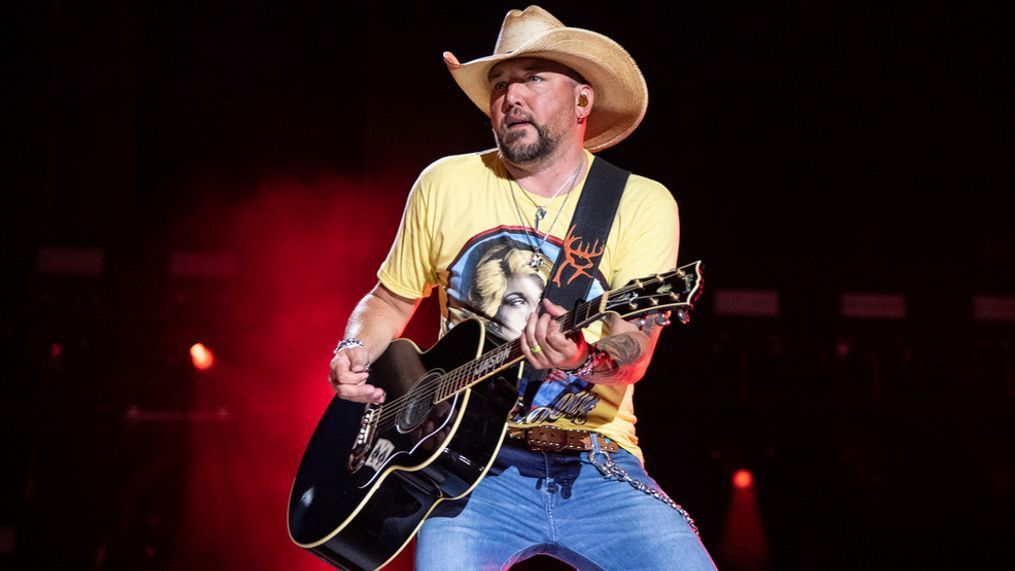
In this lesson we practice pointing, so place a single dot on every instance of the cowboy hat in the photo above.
(621, 93)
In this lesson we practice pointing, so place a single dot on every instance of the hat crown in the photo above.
(521, 26)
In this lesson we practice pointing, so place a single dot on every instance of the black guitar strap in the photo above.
(573, 273)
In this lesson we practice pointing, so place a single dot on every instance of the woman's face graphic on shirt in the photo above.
(521, 296)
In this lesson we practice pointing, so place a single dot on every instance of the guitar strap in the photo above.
(573, 273)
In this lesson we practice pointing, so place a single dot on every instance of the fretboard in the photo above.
(505, 355)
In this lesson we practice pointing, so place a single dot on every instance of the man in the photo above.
(485, 229)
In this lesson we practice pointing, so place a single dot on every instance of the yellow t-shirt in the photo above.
(470, 231)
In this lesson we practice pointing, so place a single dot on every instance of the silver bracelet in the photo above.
(349, 342)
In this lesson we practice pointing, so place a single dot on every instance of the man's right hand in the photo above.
(349, 372)
(378, 318)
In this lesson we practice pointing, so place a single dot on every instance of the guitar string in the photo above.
(441, 384)
(455, 376)
(448, 379)
(433, 387)
(452, 378)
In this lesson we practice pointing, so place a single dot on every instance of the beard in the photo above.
(521, 153)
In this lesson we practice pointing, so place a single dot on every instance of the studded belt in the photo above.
(551, 439)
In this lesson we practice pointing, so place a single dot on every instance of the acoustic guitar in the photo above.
(372, 473)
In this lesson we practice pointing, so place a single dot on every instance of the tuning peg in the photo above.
(683, 316)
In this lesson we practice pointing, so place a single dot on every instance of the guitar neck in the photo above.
(510, 353)
(676, 289)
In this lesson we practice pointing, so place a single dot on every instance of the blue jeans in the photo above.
(562, 505)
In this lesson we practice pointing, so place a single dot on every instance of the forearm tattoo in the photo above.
(623, 350)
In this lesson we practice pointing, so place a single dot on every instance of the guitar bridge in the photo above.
(364, 438)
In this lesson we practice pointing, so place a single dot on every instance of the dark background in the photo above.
(815, 148)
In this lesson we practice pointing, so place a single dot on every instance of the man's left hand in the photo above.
(546, 347)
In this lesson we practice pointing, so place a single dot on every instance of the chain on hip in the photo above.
(611, 470)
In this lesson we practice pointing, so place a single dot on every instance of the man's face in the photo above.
(531, 107)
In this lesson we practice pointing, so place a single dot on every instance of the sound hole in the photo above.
(417, 405)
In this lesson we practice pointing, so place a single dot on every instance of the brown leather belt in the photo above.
(550, 439)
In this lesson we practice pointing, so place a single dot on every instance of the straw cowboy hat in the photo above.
(621, 93)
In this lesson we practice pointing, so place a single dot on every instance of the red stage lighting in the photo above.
(743, 479)
(744, 543)
(201, 357)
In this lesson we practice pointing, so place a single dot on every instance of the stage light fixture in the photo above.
(994, 308)
(60, 261)
(201, 356)
(866, 305)
(747, 302)
(743, 479)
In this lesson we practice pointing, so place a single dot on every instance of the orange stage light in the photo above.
(201, 356)
(743, 479)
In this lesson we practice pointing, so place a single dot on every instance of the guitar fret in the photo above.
(466, 375)
(500, 358)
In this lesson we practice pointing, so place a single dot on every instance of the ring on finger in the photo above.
(536, 349)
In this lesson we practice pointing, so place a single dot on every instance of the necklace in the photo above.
(537, 250)
(541, 211)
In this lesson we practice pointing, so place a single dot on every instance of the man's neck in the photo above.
(546, 178)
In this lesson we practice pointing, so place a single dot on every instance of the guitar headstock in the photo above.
(675, 291)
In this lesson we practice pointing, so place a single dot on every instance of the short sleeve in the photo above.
(408, 269)
(651, 237)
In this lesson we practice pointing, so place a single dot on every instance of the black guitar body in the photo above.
(370, 475)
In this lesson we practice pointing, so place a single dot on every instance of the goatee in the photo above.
(519, 153)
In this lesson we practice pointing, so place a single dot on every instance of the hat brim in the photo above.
(621, 93)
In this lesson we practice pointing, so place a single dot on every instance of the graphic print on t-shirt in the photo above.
(493, 278)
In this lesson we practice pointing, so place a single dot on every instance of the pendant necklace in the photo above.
(537, 250)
